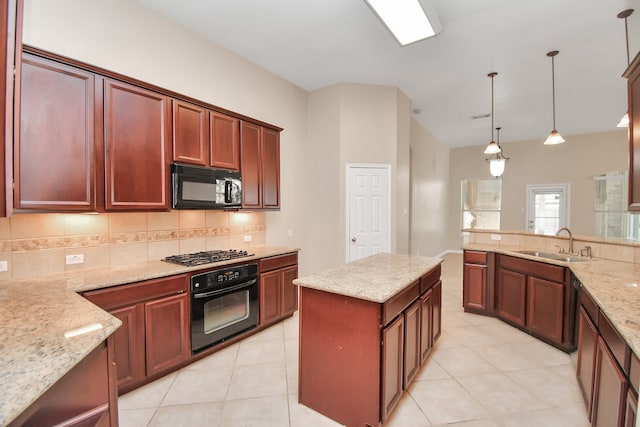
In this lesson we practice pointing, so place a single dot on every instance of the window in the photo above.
(481, 203)
(612, 219)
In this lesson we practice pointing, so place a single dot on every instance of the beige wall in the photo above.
(575, 162)
(354, 123)
(430, 192)
(126, 37)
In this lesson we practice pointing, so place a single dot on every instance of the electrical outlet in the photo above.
(496, 237)
(4, 266)
(75, 259)
(247, 238)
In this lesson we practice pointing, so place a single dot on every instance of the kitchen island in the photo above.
(365, 329)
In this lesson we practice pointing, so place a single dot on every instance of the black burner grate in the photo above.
(206, 257)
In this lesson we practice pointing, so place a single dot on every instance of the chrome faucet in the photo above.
(570, 238)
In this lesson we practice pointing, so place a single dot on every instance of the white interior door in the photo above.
(547, 208)
(368, 210)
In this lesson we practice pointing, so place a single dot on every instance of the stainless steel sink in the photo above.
(552, 255)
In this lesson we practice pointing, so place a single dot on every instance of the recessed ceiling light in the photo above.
(407, 20)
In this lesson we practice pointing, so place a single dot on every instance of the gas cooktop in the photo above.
(206, 257)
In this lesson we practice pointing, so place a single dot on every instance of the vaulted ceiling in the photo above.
(318, 43)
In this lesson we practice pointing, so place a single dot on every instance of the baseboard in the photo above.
(449, 251)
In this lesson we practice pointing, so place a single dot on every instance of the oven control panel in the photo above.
(217, 279)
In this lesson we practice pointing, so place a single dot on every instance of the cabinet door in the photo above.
(136, 144)
(474, 287)
(426, 325)
(54, 154)
(270, 290)
(609, 390)
(270, 156)
(190, 133)
(436, 318)
(545, 308)
(289, 302)
(128, 340)
(412, 348)
(167, 332)
(511, 296)
(250, 137)
(634, 136)
(225, 141)
(586, 361)
(392, 360)
(631, 409)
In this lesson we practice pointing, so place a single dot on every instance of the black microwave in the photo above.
(197, 187)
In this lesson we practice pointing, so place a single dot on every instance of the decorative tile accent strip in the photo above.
(90, 240)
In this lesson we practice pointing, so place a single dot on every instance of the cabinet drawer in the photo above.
(428, 280)
(280, 261)
(533, 268)
(590, 306)
(118, 296)
(399, 302)
(614, 341)
(475, 257)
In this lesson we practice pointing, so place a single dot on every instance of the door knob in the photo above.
(353, 239)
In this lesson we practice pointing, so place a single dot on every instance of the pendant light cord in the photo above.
(492, 76)
(553, 91)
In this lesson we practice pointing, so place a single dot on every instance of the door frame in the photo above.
(566, 187)
(353, 166)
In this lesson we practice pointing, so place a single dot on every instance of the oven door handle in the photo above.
(225, 290)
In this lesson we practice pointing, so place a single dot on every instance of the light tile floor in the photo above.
(481, 373)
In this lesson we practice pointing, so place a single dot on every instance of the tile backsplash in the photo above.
(34, 244)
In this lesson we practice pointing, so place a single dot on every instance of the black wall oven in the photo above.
(224, 303)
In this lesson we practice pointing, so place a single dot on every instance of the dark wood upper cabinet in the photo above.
(54, 146)
(260, 157)
(633, 83)
(270, 157)
(225, 141)
(190, 133)
(137, 145)
(250, 137)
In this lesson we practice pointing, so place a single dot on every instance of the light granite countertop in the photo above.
(376, 278)
(614, 285)
(36, 313)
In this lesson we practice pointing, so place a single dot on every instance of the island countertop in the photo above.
(376, 278)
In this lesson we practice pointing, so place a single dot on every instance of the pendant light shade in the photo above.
(492, 147)
(624, 121)
(554, 137)
(497, 162)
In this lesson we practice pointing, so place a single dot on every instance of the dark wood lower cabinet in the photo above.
(426, 325)
(436, 316)
(278, 294)
(631, 409)
(155, 334)
(587, 339)
(392, 361)
(412, 353)
(511, 296)
(474, 289)
(85, 396)
(545, 308)
(609, 389)
(167, 332)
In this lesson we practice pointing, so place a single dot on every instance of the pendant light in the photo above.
(498, 161)
(624, 121)
(492, 147)
(554, 137)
